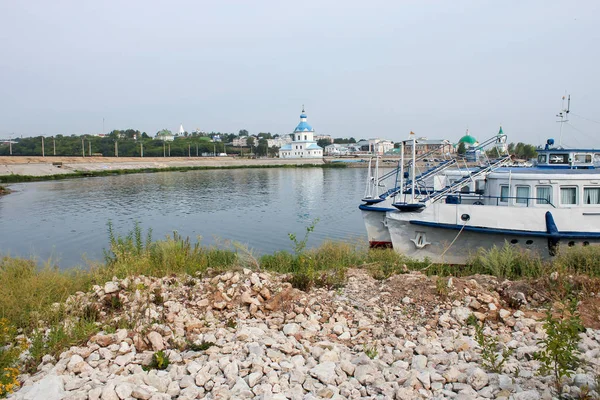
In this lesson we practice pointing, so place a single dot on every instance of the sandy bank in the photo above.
(44, 166)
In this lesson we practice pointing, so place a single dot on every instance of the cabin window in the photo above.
(504, 193)
(522, 195)
(542, 159)
(543, 194)
(559, 158)
(583, 158)
(568, 195)
(591, 195)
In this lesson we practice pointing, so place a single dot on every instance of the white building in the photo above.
(337, 149)
(279, 141)
(303, 144)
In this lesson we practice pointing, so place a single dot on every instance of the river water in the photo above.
(67, 220)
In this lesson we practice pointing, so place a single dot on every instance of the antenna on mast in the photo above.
(564, 115)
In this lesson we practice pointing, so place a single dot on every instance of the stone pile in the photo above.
(249, 335)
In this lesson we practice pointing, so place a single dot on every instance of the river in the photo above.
(67, 221)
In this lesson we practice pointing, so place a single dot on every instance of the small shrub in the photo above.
(560, 355)
(90, 313)
(158, 298)
(508, 261)
(370, 351)
(493, 361)
(10, 350)
(160, 360)
(113, 303)
(231, 323)
(203, 346)
(441, 286)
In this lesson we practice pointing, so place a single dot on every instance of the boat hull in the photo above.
(375, 224)
(440, 235)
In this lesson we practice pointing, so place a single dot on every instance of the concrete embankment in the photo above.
(46, 166)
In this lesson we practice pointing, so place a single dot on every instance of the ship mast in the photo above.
(564, 116)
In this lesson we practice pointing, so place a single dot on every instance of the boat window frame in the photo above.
(587, 160)
(522, 201)
(542, 158)
(538, 197)
(564, 156)
(576, 195)
(504, 198)
(584, 203)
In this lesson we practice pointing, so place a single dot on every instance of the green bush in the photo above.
(560, 354)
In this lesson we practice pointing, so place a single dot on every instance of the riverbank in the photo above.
(25, 169)
(169, 318)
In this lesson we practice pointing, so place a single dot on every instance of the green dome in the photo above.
(468, 139)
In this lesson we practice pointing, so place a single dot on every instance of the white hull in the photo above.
(436, 234)
(377, 231)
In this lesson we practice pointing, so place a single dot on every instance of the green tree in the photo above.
(461, 148)
(323, 142)
(243, 132)
(250, 141)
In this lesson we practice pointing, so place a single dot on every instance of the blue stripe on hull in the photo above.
(367, 207)
(513, 232)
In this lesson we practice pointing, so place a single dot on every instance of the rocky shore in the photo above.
(250, 335)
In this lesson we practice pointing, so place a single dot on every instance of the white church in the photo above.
(303, 144)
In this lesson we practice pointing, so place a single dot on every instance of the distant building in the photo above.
(165, 135)
(279, 141)
(241, 141)
(337, 150)
(303, 144)
(424, 145)
(374, 146)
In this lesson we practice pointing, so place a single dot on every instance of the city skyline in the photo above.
(377, 70)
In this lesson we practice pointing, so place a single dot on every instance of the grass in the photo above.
(85, 174)
(30, 296)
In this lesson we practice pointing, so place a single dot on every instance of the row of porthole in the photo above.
(530, 242)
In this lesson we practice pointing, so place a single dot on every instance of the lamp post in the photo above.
(43, 151)
(54, 145)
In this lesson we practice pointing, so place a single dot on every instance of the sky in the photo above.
(361, 69)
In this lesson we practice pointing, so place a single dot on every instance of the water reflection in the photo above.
(258, 207)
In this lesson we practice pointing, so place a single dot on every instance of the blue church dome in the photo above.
(302, 115)
(303, 127)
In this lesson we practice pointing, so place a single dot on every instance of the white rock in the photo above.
(50, 387)
(254, 378)
(111, 287)
(291, 329)
(527, 395)
(140, 393)
(123, 390)
(73, 361)
(109, 393)
(365, 373)
(325, 372)
(156, 341)
(419, 362)
(478, 379)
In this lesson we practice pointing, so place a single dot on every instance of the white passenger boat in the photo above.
(387, 191)
(555, 204)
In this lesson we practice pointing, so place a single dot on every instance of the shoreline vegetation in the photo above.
(35, 320)
(34, 169)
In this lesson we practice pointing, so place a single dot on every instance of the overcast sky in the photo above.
(362, 69)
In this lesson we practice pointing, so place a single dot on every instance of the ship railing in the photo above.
(526, 201)
(466, 180)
